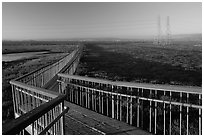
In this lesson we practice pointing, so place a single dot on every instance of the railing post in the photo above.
(88, 98)
(92, 100)
(117, 104)
(69, 90)
(170, 115)
(14, 99)
(200, 120)
(59, 86)
(99, 100)
(112, 100)
(122, 103)
(86, 93)
(18, 100)
(62, 119)
(164, 114)
(138, 108)
(150, 112)
(81, 96)
(120, 107)
(187, 115)
(131, 102)
(25, 103)
(102, 103)
(127, 110)
(95, 103)
(73, 94)
(142, 115)
(21, 96)
(107, 96)
(155, 114)
(180, 113)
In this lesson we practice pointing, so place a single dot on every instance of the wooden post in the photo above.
(86, 93)
(164, 111)
(150, 112)
(92, 100)
(102, 103)
(117, 107)
(21, 96)
(112, 100)
(138, 108)
(200, 116)
(73, 94)
(187, 112)
(62, 119)
(121, 108)
(18, 100)
(127, 110)
(25, 102)
(102, 111)
(170, 115)
(88, 98)
(107, 102)
(99, 104)
(14, 99)
(69, 90)
(131, 102)
(142, 115)
(155, 115)
(180, 113)
(95, 99)
(81, 96)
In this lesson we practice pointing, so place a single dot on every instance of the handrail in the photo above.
(45, 92)
(32, 102)
(135, 96)
(28, 118)
(27, 74)
(155, 108)
(51, 64)
(53, 122)
(189, 89)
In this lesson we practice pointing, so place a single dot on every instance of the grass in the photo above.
(144, 62)
(137, 63)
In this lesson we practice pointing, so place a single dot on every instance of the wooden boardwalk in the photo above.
(82, 121)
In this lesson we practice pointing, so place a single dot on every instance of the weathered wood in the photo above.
(34, 89)
(54, 121)
(173, 88)
(17, 125)
(97, 122)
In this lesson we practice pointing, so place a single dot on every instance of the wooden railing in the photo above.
(159, 109)
(43, 75)
(45, 119)
(40, 111)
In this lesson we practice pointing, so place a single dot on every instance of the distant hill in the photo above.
(188, 37)
(178, 37)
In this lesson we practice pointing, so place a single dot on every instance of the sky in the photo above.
(45, 21)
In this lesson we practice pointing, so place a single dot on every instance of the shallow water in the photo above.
(17, 56)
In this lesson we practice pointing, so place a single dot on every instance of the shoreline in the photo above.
(23, 51)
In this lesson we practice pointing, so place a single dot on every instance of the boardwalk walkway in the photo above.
(81, 121)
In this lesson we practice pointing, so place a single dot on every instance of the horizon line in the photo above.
(65, 39)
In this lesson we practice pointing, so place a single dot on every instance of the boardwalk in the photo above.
(75, 105)
(81, 121)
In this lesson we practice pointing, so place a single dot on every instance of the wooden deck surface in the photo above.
(82, 121)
